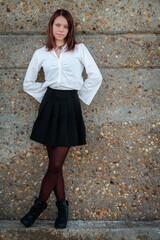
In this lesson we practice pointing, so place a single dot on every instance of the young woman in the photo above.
(59, 124)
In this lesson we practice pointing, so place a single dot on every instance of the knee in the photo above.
(56, 168)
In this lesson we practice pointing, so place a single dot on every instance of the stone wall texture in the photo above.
(116, 176)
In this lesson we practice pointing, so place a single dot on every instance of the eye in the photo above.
(66, 27)
(57, 24)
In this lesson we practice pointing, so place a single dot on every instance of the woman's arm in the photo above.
(30, 86)
(94, 77)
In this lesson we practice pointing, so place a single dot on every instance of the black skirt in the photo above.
(59, 121)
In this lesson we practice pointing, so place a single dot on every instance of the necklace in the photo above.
(59, 48)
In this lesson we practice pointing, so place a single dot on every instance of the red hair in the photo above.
(70, 38)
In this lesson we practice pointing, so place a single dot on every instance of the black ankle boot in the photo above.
(61, 220)
(33, 213)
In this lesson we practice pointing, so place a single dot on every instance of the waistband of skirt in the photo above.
(59, 92)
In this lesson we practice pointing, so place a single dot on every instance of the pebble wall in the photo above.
(116, 176)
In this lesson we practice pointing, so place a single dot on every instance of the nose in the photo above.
(61, 29)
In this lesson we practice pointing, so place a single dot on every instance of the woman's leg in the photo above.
(59, 187)
(53, 179)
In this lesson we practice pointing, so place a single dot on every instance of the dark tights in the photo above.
(53, 179)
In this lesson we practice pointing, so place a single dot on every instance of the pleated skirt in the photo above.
(59, 121)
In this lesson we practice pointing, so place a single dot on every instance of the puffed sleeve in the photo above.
(94, 77)
(30, 86)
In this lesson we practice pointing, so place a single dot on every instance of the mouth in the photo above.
(60, 35)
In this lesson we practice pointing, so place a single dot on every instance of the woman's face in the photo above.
(60, 28)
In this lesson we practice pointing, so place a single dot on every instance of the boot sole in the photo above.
(26, 225)
(60, 227)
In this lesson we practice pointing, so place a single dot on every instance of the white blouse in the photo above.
(63, 72)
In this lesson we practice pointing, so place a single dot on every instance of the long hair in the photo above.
(70, 38)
